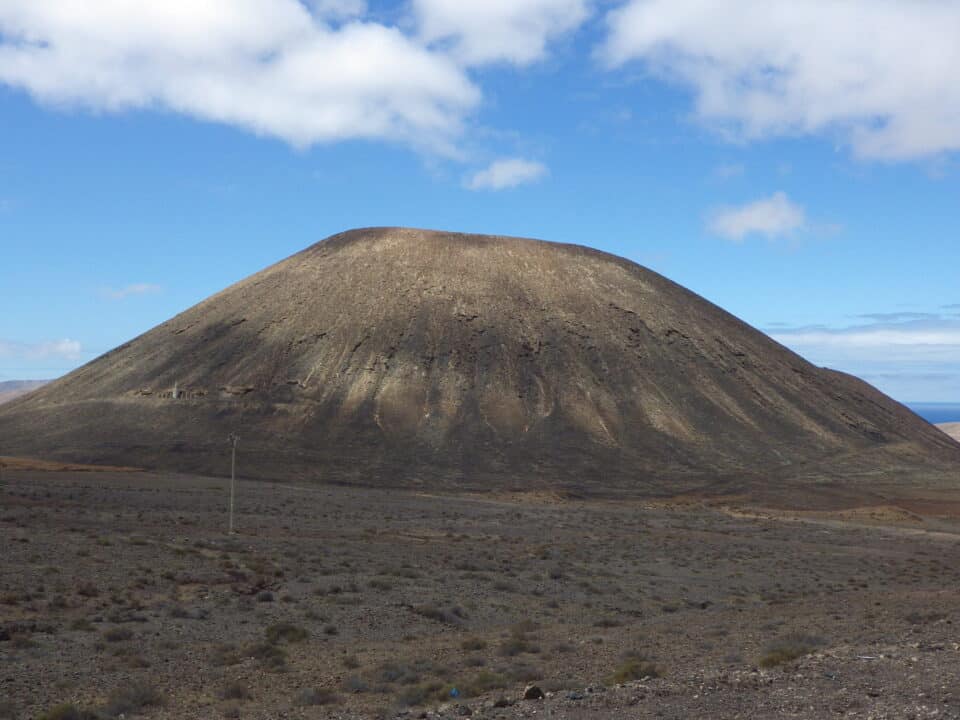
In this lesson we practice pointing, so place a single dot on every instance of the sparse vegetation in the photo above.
(408, 643)
(318, 696)
(788, 648)
(635, 666)
(452, 615)
(65, 711)
(483, 682)
(235, 690)
(423, 693)
(118, 634)
(225, 655)
(87, 589)
(285, 632)
(131, 698)
(269, 655)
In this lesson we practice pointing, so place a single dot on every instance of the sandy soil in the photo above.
(951, 429)
(122, 595)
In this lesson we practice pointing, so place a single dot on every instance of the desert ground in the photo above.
(122, 595)
(12, 389)
(951, 429)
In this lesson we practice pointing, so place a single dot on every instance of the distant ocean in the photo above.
(937, 412)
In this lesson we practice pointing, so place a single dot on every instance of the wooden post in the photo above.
(233, 439)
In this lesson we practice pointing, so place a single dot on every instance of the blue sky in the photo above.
(799, 170)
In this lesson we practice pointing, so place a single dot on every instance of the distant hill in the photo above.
(951, 429)
(435, 360)
(15, 388)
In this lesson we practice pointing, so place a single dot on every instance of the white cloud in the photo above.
(880, 74)
(65, 349)
(506, 173)
(914, 359)
(868, 338)
(773, 217)
(268, 66)
(483, 31)
(130, 290)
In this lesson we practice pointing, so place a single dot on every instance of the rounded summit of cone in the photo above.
(393, 356)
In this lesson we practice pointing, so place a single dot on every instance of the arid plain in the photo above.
(123, 595)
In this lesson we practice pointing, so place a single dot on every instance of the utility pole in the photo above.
(233, 439)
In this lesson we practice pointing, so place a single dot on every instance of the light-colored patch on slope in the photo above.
(951, 429)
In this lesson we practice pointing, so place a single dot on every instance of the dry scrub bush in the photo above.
(635, 666)
(788, 648)
(285, 632)
(318, 696)
(131, 699)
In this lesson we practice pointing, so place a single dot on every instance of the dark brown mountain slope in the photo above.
(399, 357)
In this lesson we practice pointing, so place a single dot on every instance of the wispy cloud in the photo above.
(729, 171)
(773, 217)
(130, 291)
(898, 316)
(65, 349)
(507, 173)
(911, 358)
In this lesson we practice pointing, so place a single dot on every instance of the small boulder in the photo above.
(532, 692)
